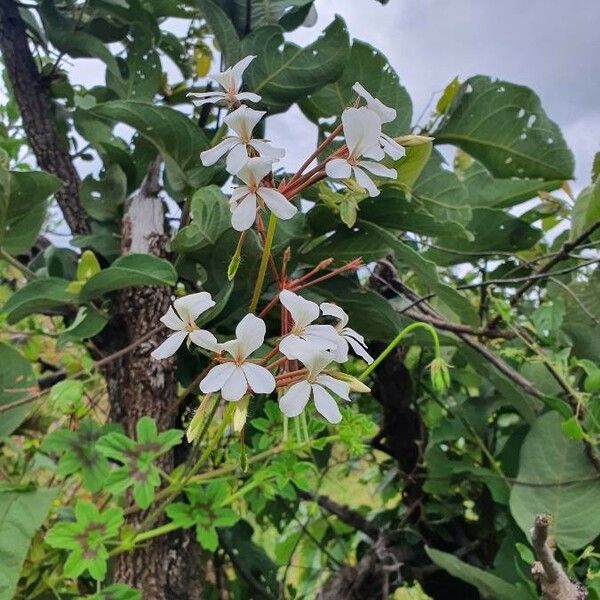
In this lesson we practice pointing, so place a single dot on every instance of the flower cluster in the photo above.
(313, 337)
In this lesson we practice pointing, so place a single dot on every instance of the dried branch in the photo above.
(548, 572)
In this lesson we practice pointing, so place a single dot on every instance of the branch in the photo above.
(29, 88)
(548, 572)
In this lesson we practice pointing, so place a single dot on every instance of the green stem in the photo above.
(156, 532)
(29, 274)
(397, 340)
(262, 269)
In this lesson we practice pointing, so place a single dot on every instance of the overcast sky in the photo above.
(552, 46)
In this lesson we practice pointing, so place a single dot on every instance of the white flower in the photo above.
(242, 121)
(305, 337)
(386, 115)
(347, 335)
(362, 130)
(317, 384)
(182, 321)
(231, 81)
(244, 199)
(234, 377)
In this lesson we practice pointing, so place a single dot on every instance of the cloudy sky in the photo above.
(552, 46)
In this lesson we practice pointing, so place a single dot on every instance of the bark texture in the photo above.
(30, 90)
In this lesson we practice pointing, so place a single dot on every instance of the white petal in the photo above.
(377, 169)
(365, 181)
(316, 361)
(236, 159)
(359, 349)
(237, 71)
(340, 354)
(386, 114)
(326, 405)
(266, 150)
(255, 170)
(323, 336)
(204, 339)
(205, 94)
(243, 120)
(190, 307)
(207, 98)
(292, 403)
(169, 346)
(362, 92)
(217, 377)
(294, 347)
(339, 388)
(235, 387)
(303, 311)
(260, 380)
(333, 310)
(391, 147)
(225, 80)
(212, 155)
(172, 321)
(248, 97)
(250, 332)
(362, 129)
(374, 152)
(277, 203)
(239, 193)
(232, 347)
(244, 214)
(338, 168)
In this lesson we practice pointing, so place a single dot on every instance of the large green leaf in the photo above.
(369, 67)
(489, 585)
(548, 462)
(223, 30)
(586, 210)
(21, 514)
(177, 138)
(17, 376)
(26, 210)
(210, 218)
(285, 73)
(487, 191)
(505, 127)
(132, 270)
(38, 296)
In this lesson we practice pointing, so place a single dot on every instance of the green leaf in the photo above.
(21, 514)
(586, 210)
(104, 199)
(87, 266)
(175, 136)
(369, 67)
(38, 296)
(519, 141)
(549, 460)
(410, 167)
(210, 217)
(132, 270)
(223, 30)
(489, 586)
(17, 376)
(26, 209)
(285, 73)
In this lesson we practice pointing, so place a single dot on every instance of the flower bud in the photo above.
(355, 384)
(413, 140)
(440, 375)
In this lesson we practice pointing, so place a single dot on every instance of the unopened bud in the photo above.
(234, 264)
(440, 374)
(414, 140)
(355, 384)
(240, 414)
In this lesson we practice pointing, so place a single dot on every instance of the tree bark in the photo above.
(30, 90)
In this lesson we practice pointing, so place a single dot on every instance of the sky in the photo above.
(552, 46)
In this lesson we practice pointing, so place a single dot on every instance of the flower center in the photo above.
(352, 160)
(297, 330)
(190, 326)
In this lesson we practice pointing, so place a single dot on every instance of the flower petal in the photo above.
(244, 214)
(255, 170)
(243, 120)
(323, 336)
(365, 181)
(193, 305)
(204, 339)
(217, 377)
(386, 114)
(303, 311)
(266, 150)
(294, 347)
(235, 387)
(333, 310)
(249, 97)
(340, 353)
(359, 349)
(325, 404)
(237, 71)
(362, 129)
(391, 147)
(260, 380)
(236, 159)
(250, 333)
(338, 168)
(172, 321)
(277, 203)
(377, 169)
(212, 155)
(169, 346)
(200, 99)
(339, 388)
(292, 403)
